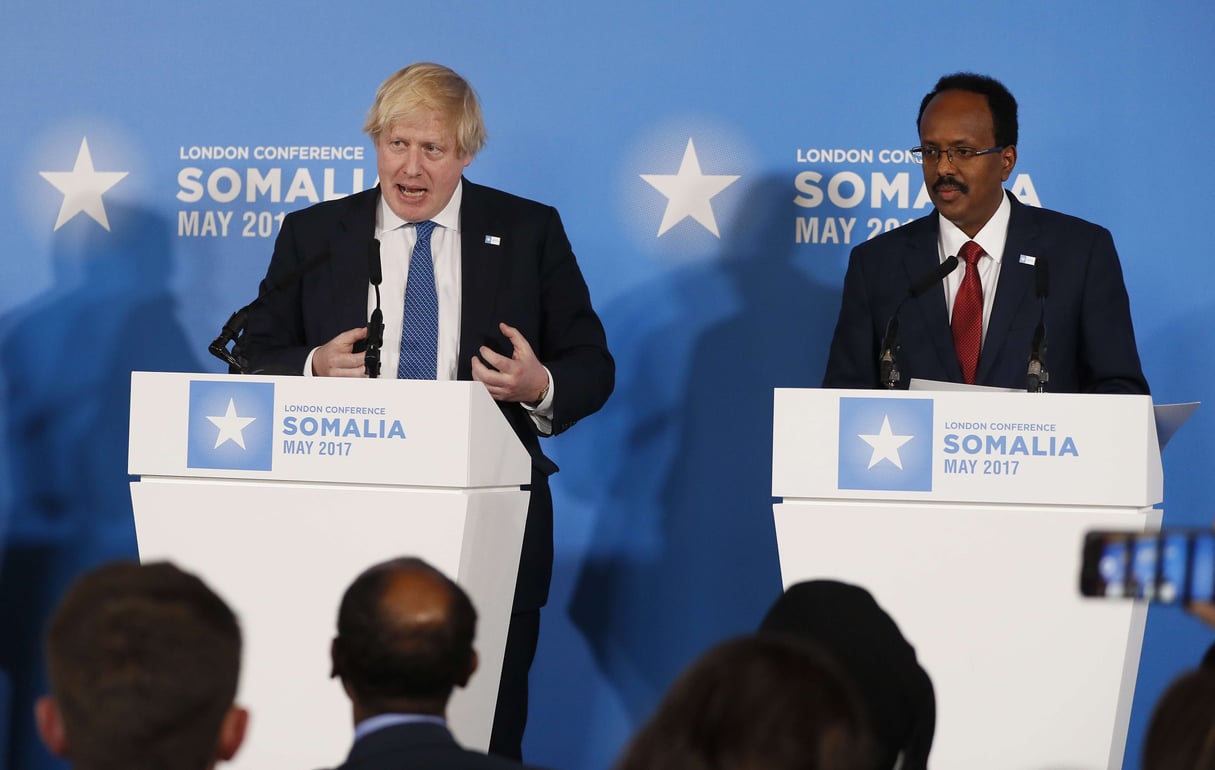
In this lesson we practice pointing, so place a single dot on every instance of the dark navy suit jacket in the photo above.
(1091, 343)
(527, 277)
(419, 745)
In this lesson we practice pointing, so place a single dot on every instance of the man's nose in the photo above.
(412, 164)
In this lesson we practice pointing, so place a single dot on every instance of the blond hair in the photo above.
(429, 86)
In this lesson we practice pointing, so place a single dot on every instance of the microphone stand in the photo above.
(375, 326)
(888, 366)
(1037, 376)
(231, 334)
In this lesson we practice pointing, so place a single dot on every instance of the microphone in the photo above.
(887, 365)
(375, 326)
(234, 329)
(1037, 376)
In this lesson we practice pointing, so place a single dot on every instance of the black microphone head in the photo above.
(373, 263)
(935, 277)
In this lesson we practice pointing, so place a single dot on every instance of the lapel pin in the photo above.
(1027, 259)
(493, 240)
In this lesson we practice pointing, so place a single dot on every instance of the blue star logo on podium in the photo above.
(231, 425)
(886, 444)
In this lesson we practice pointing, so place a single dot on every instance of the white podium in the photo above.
(278, 491)
(963, 513)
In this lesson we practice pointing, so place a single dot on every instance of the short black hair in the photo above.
(383, 659)
(999, 100)
(894, 689)
(144, 662)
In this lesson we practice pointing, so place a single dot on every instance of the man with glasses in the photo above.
(1024, 275)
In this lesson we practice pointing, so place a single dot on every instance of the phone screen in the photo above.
(1144, 552)
(1106, 564)
(1202, 569)
(1171, 566)
(1174, 564)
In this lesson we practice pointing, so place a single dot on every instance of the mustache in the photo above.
(952, 181)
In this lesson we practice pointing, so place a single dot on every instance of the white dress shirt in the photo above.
(397, 239)
(991, 238)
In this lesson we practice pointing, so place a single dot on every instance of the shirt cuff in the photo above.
(542, 413)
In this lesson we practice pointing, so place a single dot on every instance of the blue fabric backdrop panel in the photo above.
(713, 165)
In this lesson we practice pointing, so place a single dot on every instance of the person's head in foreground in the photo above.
(755, 703)
(405, 639)
(1181, 734)
(143, 662)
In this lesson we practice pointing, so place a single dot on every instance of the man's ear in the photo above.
(232, 732)
(50, 725)
(473, 662)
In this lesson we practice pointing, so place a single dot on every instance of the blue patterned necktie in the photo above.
(420, 330)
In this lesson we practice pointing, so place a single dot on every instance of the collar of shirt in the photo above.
(397, 240)
(992, 237)
(449, 217)
(381, 721)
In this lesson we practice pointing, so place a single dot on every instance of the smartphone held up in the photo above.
(1172, 566)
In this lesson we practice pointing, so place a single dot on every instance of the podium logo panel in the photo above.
(885, 444)
(231, 425)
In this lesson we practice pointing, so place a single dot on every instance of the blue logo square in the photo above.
(886, 443)
(231, 425)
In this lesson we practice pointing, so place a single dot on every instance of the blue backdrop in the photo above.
(713, 164)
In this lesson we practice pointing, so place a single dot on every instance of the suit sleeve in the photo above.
(572, 341)
(274, 338)
(1108, 359)
(852, 360)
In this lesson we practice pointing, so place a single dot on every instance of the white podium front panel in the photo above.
(399, 432)
(282, 554)
(1038, 449)
(1027, 673)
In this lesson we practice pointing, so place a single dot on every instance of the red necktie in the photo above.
(968, 312)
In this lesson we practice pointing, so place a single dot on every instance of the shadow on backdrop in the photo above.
(66, 359)
(683, 549)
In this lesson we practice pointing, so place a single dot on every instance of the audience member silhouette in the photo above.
(895, 691)
(404, 642)
(755, 702)
(143, 663)
(1181, 733)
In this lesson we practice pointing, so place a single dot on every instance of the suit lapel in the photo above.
(1013, 290)
(350, 275)
(480, 265)
(921, 258)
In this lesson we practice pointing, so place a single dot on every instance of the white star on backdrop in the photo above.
(230, 426)
(885, 444)
(82, 188)
(689, 192)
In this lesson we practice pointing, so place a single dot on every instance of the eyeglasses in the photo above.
(955, 154)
